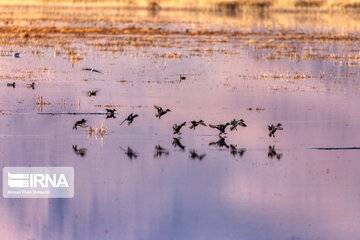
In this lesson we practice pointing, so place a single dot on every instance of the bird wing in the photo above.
(158, 107)
(212, 126)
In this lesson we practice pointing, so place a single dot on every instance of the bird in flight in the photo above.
(91, 70)
(194, 124)
(272, 129)
(160, 111)
(130, 118)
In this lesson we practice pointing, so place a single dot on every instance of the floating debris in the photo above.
(181, 77)
(97, 132)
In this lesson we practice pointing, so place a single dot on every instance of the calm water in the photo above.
(298, 193)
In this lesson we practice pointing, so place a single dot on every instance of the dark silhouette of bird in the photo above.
(130, 153)
(220, 143)
(272, 129)
(11, 84)
(177, 143)
(182, 77)
(236, 151)
(194, 124)
(17, 55)
(91, 70)
(130, 119)
(31, 85)
(235, 123)
(80, 123)
(272, 153)
(92, 93)
(79, 151)
(159, 151)
(220, 127)
(160, 111)
(176, 128)
(110, 113)
(195, 155)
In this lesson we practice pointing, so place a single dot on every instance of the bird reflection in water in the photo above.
(177, 143)
(234, 150)
(194, 155)
(160, 151)
(131, 154)
(220, 143)
(79, 151)
(273, 154)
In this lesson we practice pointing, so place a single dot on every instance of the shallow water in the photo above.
(300, 193)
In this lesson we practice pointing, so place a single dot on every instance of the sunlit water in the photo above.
(297, 193)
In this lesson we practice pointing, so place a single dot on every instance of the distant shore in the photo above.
(209, 5)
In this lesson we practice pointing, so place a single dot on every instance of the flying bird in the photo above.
(91, 70)
(160, 111)
(235, 123)
(80, 123)
(176, 128)
(272, 129)
(194, 124)
(130, 119)
(220, 127)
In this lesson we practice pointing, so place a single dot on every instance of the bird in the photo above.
(235, 123)
(236, 151)
(92, 70)
(130, 118)
(160, 111)
(11, 84)
(194, 124)
(272, 153)
(195, 155)
(31, 85)
(17, 55)
(176, 128)
(220, 143)
(182, 77)
(92, 93)
(220, 127)
(110, 113)
(272, 129)
(80, 123)
(176, 143)
(79, 151)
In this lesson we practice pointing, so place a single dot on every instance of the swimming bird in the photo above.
(220, 143)
(92, 92)
(195, 155)
(176, 128)
(182, 77)
(272, 153)
(236, 123)
(160, 111)
(110, 113)
(11, 84)
(220, 127)
(31, 85)
(159, 151)
(17, 55)
(80, 123)
(272, 129)
(176, 143)
(130, 118)
(92, 70)
(194, 124)
(79, 151)
(236, 151)
(130, 153)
